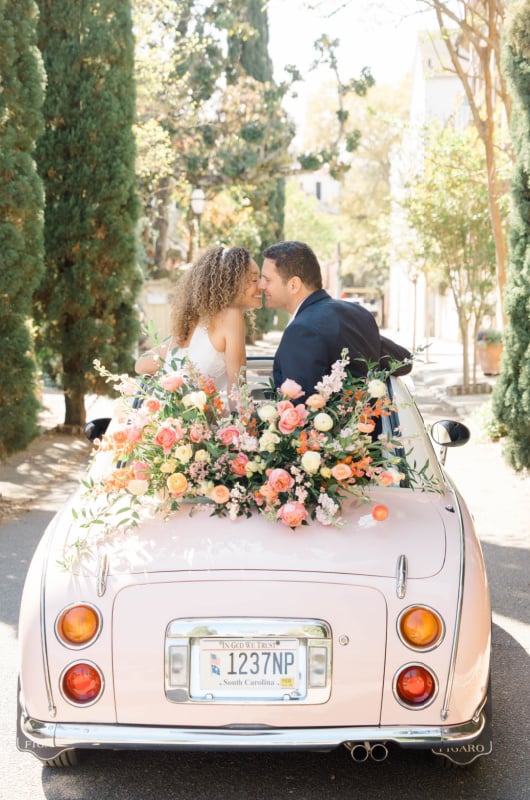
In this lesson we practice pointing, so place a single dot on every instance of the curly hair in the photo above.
(211, 284)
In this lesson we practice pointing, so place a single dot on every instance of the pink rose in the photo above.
(141, 470)
(196, 432)
(165, 437)
(291, 389)
(283, 405)
(229, 435)
(292, 514)
(238, 465)
(279, 480)
(292, 418)
(135, 434)
(171, 381)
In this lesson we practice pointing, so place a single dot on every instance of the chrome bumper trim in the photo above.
(64, 736)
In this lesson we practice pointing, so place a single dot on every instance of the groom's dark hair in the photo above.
(296, 259)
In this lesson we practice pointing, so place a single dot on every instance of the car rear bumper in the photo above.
(48, 739)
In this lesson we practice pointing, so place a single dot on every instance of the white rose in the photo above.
(268, 442)
(323, 422)
(195, 399)
(138, 487)
(268, 413)
(311, 462)
(377, 388)
(183, 453)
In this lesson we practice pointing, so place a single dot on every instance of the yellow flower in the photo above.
(168, 466)
(311, 462)
(268, 442)
(183, 453)
(268, 413)
(177, 484)
(325, 472)
(323, 422)
(203, 455)
(195, 399)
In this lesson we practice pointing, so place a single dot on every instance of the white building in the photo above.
(416, 310)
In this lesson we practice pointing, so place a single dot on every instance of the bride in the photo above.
(208, 316)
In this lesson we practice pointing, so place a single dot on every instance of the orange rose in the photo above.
(220, 495)
(315, 401)
(341, 472)
(177, 484)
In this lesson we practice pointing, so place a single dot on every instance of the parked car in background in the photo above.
(205, 632)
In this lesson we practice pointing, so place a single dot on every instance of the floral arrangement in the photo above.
(290, 461)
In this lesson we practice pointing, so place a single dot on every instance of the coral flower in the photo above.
(165, 437)
(238, 465)
(341, 472)
(220, 494)
(292, 514)
(279, 480)
(315, 401)
(152, 404)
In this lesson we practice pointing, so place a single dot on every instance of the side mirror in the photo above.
(448, 433)
(96, 428)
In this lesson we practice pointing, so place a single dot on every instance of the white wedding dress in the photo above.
(209, 361)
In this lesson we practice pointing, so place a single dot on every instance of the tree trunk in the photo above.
(161, 224)
(74, 398)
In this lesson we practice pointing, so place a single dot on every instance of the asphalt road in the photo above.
(499, 502)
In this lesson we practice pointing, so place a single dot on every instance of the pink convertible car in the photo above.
(206, 633)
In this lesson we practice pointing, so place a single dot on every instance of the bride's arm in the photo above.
(235, 354)
(151, 361)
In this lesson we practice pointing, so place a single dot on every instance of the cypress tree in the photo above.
(85, 307)
(21, 201)
(512, 392)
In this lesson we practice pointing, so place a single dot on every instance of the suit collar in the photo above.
(314, 297)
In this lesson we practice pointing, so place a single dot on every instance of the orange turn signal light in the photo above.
(78, 625)
(420, 627)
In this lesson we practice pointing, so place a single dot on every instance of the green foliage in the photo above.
(448, 208)
(511, 399)
(85, 306)
(21, 202)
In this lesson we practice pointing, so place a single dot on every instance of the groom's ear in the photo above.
(294, 284)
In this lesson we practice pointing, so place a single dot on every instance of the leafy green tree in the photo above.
(85, 306)
(447, 207)
(21, 203)
(511, 400)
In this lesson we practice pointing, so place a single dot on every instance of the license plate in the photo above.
(249, 665)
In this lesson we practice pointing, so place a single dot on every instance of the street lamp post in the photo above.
(198, 202)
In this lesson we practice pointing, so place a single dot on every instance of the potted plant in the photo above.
(489, 349)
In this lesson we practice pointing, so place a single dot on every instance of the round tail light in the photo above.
(82, 683)
(420, 627)
(78, 625)
(415, 686)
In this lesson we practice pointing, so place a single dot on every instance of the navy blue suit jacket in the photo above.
(321, 329)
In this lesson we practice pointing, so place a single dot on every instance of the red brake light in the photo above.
(82, 683)
(415, 685)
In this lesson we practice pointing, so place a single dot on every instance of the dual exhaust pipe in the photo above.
(362, 751)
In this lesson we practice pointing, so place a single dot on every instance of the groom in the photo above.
(320, 327)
